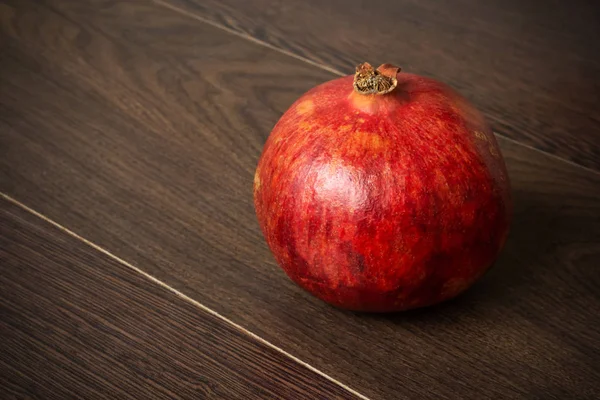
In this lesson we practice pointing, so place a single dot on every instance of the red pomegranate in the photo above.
(383, 193)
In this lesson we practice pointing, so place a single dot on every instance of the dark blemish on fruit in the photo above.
(356, 260)
(328, 228)
(359, 262)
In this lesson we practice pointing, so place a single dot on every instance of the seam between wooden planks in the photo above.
(334, 71)
(179, 294)
(245, 36)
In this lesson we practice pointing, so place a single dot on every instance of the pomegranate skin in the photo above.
(383, 203)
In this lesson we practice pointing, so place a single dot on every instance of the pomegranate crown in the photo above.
(368, 80)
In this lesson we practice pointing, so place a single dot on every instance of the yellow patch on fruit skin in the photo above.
(345, 128)
(257, 180)
(480, 135)
(359, 142)
(306, 107)
(494, 152)
(373, 142)
(361, 103)
(306, 125)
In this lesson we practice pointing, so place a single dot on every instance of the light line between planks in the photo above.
(245, 36)
(334, 71)
(179, 294)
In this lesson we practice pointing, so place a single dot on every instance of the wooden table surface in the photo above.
(131, 262)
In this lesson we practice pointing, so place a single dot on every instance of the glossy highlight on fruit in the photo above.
(383, 191)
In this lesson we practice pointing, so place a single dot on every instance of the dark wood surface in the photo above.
(139, 128)
(533, 67)
(78, 324)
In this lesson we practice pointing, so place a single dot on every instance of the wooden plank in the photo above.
(78, 324)
(532, 68)
(140, 130)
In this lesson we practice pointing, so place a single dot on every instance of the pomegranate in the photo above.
(383, 191)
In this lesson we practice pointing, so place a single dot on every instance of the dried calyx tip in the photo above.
(368, 80)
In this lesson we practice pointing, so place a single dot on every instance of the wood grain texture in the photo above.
(532, 67)
(78, 324)
(140, 129)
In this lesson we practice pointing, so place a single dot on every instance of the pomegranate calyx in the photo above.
(368, 80)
